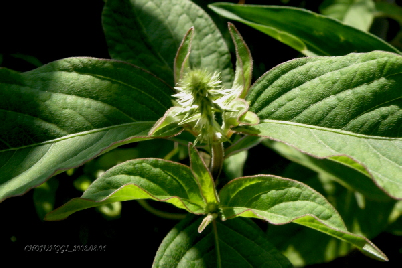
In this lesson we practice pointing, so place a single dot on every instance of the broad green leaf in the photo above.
(356, 13)
(204, 179)
(67, 112)
(347, 176)
(148, 33)
(346, 109)
(234, 243)
(156, 179)
(307, 32)
(304, 246)
(280, 201)
(244, 62)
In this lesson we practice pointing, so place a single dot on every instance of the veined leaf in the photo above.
(156, 179)
(280, 201)
(347, 109)
(356, 13)
(304, 246)
(349, 177)
(67, 112)
(234, 243)
(148, 33)
(307, 32)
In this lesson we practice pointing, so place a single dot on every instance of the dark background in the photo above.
(52, 30)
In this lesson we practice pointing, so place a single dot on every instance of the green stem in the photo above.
(216, 159)
(162, 214)
(218, 252)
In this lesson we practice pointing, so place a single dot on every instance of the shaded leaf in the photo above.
(303, 30)
(67, 112)
(235, 243)
(148, 33)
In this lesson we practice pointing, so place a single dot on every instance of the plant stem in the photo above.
(159, 213)
(218, 252)
(216, 159)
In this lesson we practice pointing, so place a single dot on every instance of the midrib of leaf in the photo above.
(79, 134)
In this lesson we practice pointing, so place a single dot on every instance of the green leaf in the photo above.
(204, 179)
(181, 61)
(244, 63)
(304, 246)
(148, 33)
(356, 13)
(346, 109)
(303, 30)
(67, 112)
(235, 243)
(280, 201)
(347, 176)
(156, 179)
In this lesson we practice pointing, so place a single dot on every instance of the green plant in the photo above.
(339, 116)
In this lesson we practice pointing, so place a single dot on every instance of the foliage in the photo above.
(170, 90)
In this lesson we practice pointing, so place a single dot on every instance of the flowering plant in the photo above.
(336, 115)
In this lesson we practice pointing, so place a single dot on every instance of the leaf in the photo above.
(67, 112)
(148, 33)
(304, 246)
(356, 13)
(244, 63)
(181, 63)
(280, 201)
(204, 179)
(346, 109)
(303, 30)
(347, 176)
(156, 179)
(235, 243)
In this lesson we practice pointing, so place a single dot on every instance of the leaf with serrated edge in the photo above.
(303, 30)
(235, 243)
(148, 33)
(156, 179)
(280, 201)
(67, 112)
(340, 108)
